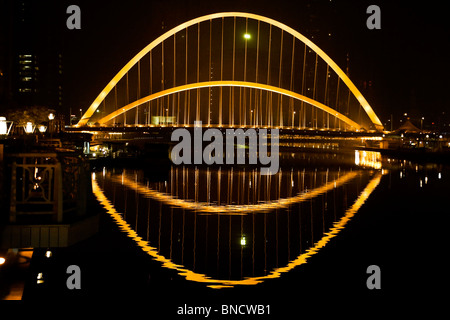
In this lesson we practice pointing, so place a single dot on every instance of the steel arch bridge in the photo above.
(232, 69)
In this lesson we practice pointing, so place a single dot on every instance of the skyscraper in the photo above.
(31, 54)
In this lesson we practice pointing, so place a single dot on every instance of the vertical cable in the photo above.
(245, 73)
(269, 105)
(161, 109)
(291, 100)
(128, 101)
(325, 97)
(136, 120)
(314, 110)
(303, 111)
(115, 101)
(197, 113)
(337, 104)
(257, 103)
(151, 89)
(232, 88)
(210, 74)
(187, 95)
(221, 78)
(280, 98)
(174, 74)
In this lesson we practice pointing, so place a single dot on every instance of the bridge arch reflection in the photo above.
(239, 248)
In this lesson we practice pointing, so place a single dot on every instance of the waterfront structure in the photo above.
(263, 81)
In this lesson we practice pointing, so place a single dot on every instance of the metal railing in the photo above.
(47, 184)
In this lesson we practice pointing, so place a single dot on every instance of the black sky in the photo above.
(405, 60)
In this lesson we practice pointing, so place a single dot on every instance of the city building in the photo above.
(31, 57)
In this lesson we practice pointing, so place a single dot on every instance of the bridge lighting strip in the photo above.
(229, 83)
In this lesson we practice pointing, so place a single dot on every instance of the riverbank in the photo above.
(421, 155)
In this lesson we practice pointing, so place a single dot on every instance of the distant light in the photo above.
(42, 128)
(243, 241)
(439, 175)
(2, 260)
(48, 253)
(247, 36)
(40, 278)
(51, 116)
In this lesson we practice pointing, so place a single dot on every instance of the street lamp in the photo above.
(421, 123)
(4, 129)
(293, 118)
(29, 127)
(51, 116)
(247, 36)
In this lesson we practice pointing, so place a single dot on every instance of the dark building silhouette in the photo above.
(31, 58)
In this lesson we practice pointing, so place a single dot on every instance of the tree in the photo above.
(35, 114)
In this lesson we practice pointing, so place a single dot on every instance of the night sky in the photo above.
(405, 60)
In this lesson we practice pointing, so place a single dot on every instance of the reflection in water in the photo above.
(226, 227)
(250, 199)
(370, 159)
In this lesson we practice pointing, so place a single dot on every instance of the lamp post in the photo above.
(421, 123)
(51, 116)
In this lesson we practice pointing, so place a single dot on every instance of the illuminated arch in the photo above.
(341, 74)
(226, 83)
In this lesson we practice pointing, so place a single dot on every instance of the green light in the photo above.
(247, 36)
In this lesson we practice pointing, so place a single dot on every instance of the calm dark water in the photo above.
(232, 226)
(218, 234)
